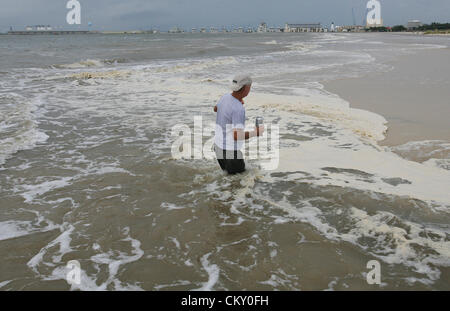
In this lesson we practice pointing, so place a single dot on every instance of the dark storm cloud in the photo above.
(138, 14)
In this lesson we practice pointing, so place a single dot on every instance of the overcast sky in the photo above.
(164, 14)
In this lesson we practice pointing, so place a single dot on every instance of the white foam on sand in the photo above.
(17, 117)
(417, 181)
(213, 274)
(325, 107)
(14, 229)
(113, 260)
(63, 240)
(406, 242)
(3, 284)
(171, 207)
(424, 150)
(174, 284)
(32, 191)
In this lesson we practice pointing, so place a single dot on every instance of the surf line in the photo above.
(192, 301)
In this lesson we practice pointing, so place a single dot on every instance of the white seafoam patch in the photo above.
(3, 284)
(434, 152)
(18, 115)
(404, 252)
(213, 273)
(31, 193)
(112, 260)
(13, 228)
(424, 182)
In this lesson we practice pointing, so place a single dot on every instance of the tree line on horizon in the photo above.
(400, 28)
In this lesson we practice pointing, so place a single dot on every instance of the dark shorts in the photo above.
(231, 161)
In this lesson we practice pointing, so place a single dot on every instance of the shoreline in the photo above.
(415, 106)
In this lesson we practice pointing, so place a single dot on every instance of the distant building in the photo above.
(303, 28)
(414, 24)
(39, 28)
(194, 30)
(351, 28)
(274, 29)
(175, 30)
(332, 28)
(213, 30)
(262, 27)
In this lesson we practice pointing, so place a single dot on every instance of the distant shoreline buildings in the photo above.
(303, 28)
(263, 27)
(39, 28)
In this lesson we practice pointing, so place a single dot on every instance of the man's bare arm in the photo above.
(239, 134)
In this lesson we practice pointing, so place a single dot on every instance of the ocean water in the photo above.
(87, 173)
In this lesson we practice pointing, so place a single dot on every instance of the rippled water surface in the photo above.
(86, 171)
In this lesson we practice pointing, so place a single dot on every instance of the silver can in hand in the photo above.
(259, 121)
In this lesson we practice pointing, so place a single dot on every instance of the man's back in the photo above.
(230, 115)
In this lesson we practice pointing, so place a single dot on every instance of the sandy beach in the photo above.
(413, 96)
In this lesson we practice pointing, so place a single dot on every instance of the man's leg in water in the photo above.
(230, 161)
(235, 162)
(220, 155)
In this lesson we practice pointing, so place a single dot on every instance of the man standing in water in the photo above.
(230, 126)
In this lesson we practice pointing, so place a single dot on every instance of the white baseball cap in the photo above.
(239, 81)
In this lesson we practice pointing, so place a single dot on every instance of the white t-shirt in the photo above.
(230, 115)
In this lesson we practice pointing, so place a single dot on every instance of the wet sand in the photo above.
(414, 97)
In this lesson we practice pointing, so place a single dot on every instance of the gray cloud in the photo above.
(141, 14)
(149, 15)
